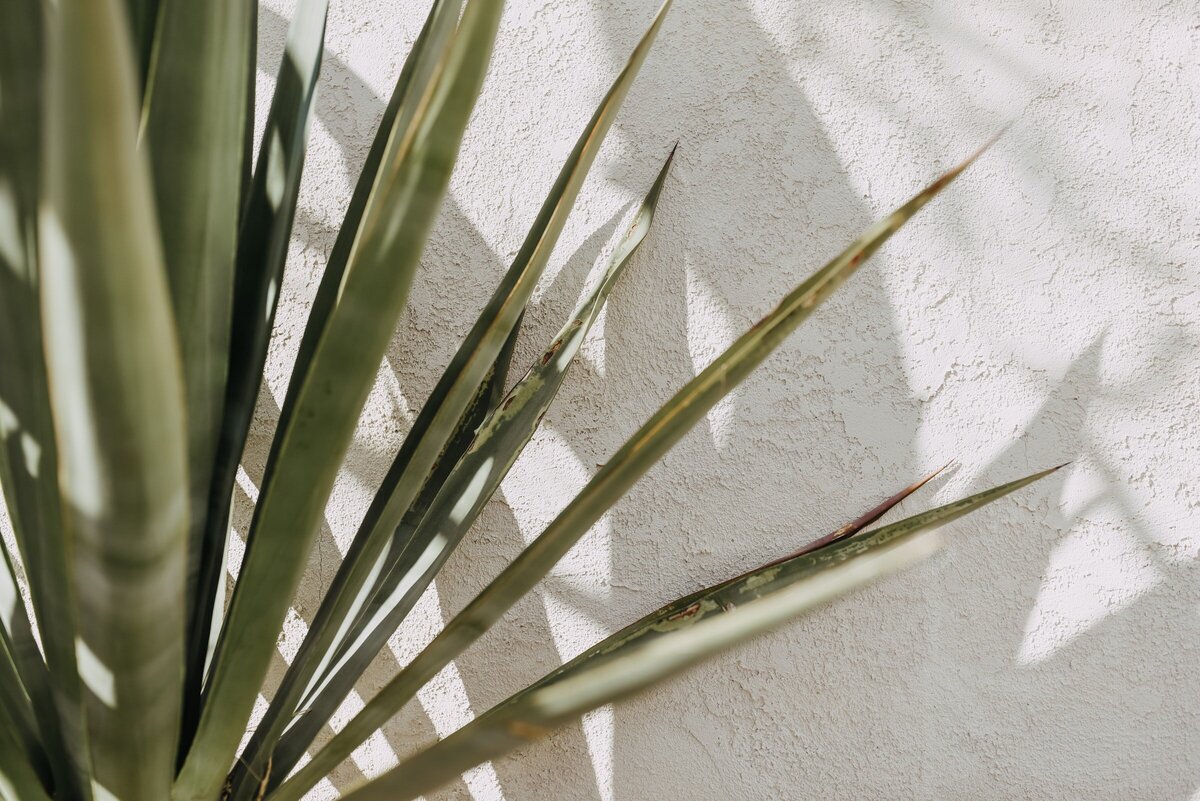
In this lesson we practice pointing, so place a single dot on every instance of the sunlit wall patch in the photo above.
(709, 333)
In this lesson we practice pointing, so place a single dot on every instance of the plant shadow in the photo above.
(916, 686)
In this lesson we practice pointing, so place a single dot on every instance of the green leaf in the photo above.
(143, 21)
(504, 434)
(117, 397)
(536, 714)
(476, 356)
(266, 230)
(500, 441)
(25, 687)
(636, 456)
(19, 779)
(453, 395)
(668, 640)
(329, 395)
(398, 116)
(481, 405)
(486, 399)
(21, 667)
(193, 130)
(28, 457)
(257, 760)
(842, 545)
(438, 27)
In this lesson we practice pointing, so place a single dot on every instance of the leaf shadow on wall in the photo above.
(1047, 721)
(415, 368)
(716, 215)
(937, 700)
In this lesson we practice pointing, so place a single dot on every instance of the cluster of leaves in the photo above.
(143, 247)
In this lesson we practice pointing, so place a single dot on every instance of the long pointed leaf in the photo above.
(117, 398)
(438, 26)
(21, 667)
(499, 442)
(259, 765)
(485, 400)
(872, 515)
(397, 116)
(845, 544)
(481, 406)
(266, 229)
(453, 394)
(636, 456)
(659, 644)
(19, 779)
(330, 394)
(535, 715)
(305, 729)
(28, 456)
(470, 365)
(502, 438)
(194, 132)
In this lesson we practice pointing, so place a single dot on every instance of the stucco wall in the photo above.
(1045, 310)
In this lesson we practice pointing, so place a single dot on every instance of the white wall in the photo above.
(1045, 310)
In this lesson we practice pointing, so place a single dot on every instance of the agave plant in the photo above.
(143, 248)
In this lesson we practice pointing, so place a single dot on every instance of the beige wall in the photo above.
(1045, 310)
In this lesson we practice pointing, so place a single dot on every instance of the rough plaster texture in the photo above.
(1044, 310)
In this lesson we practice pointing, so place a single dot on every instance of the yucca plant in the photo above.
(143, 248)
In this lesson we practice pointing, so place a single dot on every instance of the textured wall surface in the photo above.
(1044, 310)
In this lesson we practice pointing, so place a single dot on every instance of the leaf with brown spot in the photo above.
(649, 651)
(657, 436)
(500, 440)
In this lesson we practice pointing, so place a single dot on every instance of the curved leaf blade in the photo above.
(458, 386)
(635, 457)
(28, 457)
(308, 449)
(536, 714)
(193, 130)
(499, 442)
(266, 228)
(439, 26)
(18, 777)
(844, 544)
(117, 397)
(22, 668)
